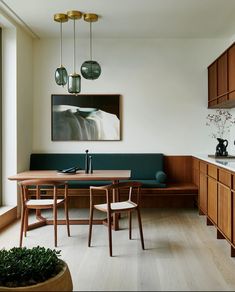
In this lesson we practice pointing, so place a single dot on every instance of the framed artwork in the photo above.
(84, 117)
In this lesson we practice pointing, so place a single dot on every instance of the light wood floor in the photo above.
(182, 253)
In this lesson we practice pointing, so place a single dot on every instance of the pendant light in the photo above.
(90, 69)
(61, 75)
(74, 81)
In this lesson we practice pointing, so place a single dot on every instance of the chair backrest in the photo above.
(26, 184)
(38, 182)
(131, 185)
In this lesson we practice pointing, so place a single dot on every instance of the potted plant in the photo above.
(36, 269)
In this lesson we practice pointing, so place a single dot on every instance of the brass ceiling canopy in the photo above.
(90, 17)
(60, 17)
(74, 14)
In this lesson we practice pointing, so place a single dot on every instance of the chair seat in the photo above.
(126, 205)
(43, 202)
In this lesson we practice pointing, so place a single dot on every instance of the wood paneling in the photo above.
(222, 100)
(203, 167)
(212, 171)
(196, 171)
(203, 193)
(225, 177)
(231, 68)
(232, 96)
(224, 210)
(212, 80)
(233, 180)
(222, 74)
(233, 216)
(8, 217)
(178, 168)
(212, 199)
(196, 163)
(221, 80)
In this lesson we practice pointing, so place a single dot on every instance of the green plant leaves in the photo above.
(23, 266)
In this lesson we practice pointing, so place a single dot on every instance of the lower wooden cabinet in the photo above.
(225, 210)
(233, 211)
(217, 198)
(203, 193)
(212, 199)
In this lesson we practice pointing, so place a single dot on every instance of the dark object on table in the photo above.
(87, 162)
(221, 148)
(90, 164)
(71, 170)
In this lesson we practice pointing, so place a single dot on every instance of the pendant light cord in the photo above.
(61, 44)
(91, 40)
(74, 47)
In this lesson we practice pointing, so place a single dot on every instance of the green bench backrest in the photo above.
(142, 166)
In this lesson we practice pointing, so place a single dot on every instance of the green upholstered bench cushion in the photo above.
(143, 166)
(161, 176)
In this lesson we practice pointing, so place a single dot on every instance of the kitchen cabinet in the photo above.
(203, 188)
(217, 199)
(231, 73)
(212, 200)
(196, 172)
(225, 210)
(222, 76)
(221, 80)
(212, 84)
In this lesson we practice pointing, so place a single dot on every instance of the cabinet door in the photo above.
(231, 68)
(196, 172)
(212, 199)
(233, 194)
(203, 193)
(222, 74)
(224, 210)
(212, 81)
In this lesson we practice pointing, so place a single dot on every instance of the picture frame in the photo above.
(85, 117)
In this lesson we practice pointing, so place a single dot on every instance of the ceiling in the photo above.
(131, 18)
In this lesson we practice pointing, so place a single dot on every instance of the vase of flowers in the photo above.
(220, 122)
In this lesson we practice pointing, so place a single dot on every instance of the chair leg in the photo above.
(22, 225)
(129, 213)
(90, 225)
(67, 216)
(26, 221)
(140, 228)
(55, 224)
(110, 234)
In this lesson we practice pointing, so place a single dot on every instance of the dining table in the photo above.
(112, 176)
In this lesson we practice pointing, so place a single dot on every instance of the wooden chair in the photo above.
(116, 207)
(38, 204)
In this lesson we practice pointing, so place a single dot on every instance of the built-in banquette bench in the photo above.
(167, 180)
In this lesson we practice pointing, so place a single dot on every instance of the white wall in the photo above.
(163, 83)
(24, 99)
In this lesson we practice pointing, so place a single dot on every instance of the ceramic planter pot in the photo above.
(61, 282)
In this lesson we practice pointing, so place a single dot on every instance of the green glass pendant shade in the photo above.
(74, 83)
(90, 70)
(61, 76)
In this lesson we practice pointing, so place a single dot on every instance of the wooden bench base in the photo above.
(176, 195)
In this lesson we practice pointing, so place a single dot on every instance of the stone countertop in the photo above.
(227, 163)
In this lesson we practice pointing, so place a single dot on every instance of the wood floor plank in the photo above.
(182, 253)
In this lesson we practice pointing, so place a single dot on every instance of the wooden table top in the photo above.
(110, 175)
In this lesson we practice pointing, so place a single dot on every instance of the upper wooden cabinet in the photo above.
(221, 80)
